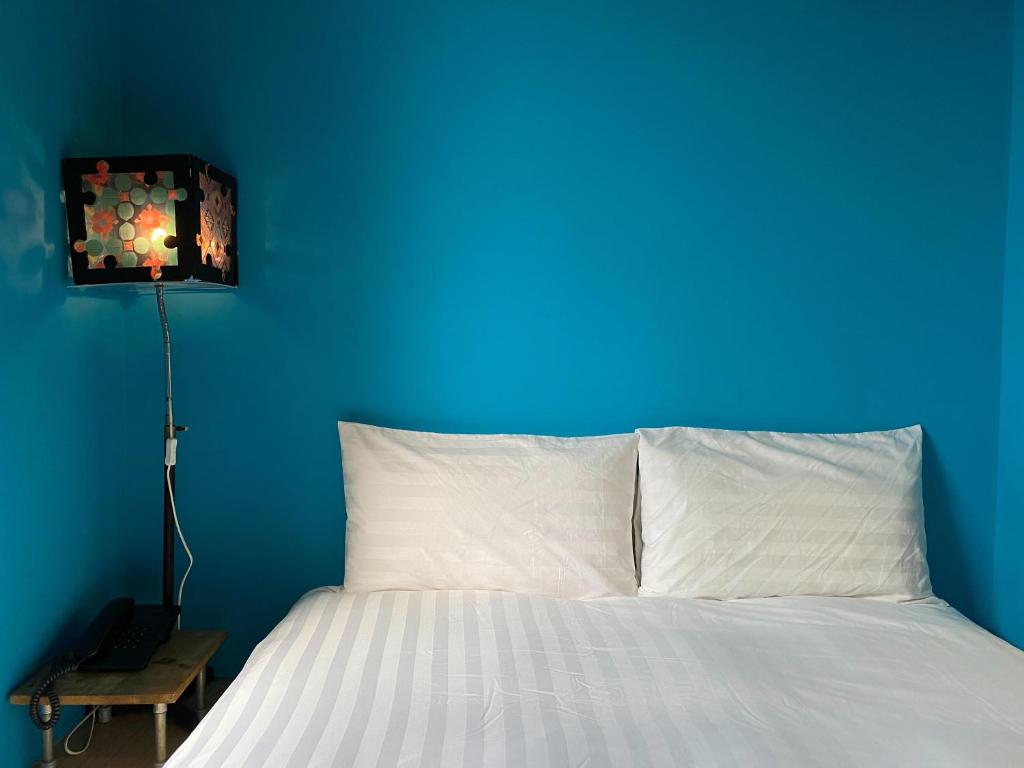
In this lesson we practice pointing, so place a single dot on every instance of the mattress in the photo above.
(499, 679)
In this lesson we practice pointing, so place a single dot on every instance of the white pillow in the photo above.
(759, 514)
(543, 515)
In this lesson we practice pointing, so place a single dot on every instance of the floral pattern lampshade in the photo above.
(169, 218)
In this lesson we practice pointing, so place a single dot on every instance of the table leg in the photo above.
(48, 761)
(160, 727)
(201, 693)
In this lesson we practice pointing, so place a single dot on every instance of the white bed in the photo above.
(498, 679)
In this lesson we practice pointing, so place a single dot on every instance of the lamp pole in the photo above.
(170, 443)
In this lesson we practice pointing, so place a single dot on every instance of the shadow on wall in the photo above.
(25, 254)
(944, 542)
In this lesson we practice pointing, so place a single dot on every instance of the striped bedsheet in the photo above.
(499, 679)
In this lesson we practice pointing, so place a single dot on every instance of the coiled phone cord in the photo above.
(45, 688)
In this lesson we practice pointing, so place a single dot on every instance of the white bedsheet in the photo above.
(498, 679)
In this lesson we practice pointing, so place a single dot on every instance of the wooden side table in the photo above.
(176, 663)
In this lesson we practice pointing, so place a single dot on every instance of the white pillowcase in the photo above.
(760, 514)
(521, 513)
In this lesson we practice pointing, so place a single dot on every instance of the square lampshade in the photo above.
(168, 218)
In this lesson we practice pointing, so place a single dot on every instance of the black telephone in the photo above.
(122, 637)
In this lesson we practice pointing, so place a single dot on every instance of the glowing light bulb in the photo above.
(158, 235)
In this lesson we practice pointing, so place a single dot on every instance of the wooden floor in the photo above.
(125, 742)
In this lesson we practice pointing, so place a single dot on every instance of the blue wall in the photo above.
(1009, 535)
(62, 365)
(539, 217)
(564, 219)
(577, 218)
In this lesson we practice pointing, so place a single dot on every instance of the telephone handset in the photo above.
(109, 620)
(123, 637)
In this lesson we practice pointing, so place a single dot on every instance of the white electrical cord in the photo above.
(177, 526)
(91, 715)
